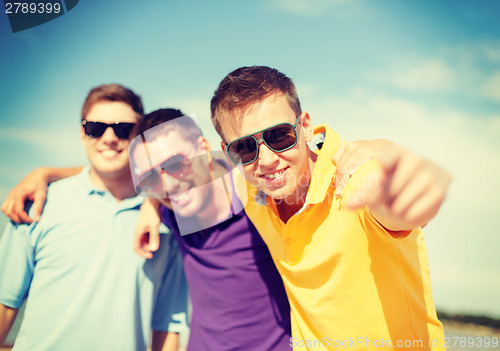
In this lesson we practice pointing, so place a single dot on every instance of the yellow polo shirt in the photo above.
(351, 285)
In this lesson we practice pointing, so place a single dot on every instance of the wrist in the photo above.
(44, 173)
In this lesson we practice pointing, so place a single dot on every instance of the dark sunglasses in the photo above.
(96, 129)
(177, 166)
(278, 138)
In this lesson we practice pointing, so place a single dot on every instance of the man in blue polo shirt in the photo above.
(85, 288)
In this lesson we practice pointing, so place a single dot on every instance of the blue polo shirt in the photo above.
(238, 298)
(85, 287)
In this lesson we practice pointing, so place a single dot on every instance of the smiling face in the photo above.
(188, 192)
(281, 175)
(108, 154)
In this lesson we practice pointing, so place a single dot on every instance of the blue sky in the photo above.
(425, 74)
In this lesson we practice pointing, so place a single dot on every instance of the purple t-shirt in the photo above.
(238, 298)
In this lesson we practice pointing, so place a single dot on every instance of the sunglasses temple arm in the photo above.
(146, 149)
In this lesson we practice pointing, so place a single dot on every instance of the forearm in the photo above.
(7, 317)
(165, 341)
(146, 234)
(154, 204)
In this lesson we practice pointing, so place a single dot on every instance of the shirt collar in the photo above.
(90, 189)
(324, 169)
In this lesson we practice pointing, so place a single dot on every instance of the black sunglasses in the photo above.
(279, 138)
(96, 129)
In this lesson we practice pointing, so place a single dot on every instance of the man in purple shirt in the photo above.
(238, 298)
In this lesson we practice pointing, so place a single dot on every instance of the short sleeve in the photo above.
(17, 261)
(170, 310)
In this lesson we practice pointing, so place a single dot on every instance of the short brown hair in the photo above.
(248, 85)
(112, 92)
(170, 119)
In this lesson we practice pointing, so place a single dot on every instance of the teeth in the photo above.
(109, 153)
(274, 175)
(179, 196)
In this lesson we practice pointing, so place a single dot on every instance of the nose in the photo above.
(109, 135)
(266, 156)
(170, 183)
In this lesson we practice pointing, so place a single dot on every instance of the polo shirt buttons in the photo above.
(288, 241)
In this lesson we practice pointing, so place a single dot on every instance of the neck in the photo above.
(120, 186)
(290, 205)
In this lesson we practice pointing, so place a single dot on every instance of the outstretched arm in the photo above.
(33, 188)
(353, 155)
(407, 193)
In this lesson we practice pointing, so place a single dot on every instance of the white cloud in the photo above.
(430, 75)
(51, 139)
(489, 51)
(310, 8)
(57, 147)
(491, 87)
(471, 70)
(493, 53)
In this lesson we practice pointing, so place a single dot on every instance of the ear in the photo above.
(83, 136)
(307, 127)
(223, 146)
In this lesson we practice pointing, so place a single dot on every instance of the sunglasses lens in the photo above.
(123, 130)
(243, 151)
(95, 129)
(177, 165)
(280, 138)
(149, 181)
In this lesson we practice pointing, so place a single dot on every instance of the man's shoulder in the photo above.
(59, 199)
(67, 186)
(63, 197)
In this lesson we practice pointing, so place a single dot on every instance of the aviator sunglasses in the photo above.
(96, 129)
(176, 166)
(279, 137)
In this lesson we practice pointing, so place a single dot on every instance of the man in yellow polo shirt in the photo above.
(353, 262)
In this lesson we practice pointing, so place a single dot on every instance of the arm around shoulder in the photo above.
(33, 188)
